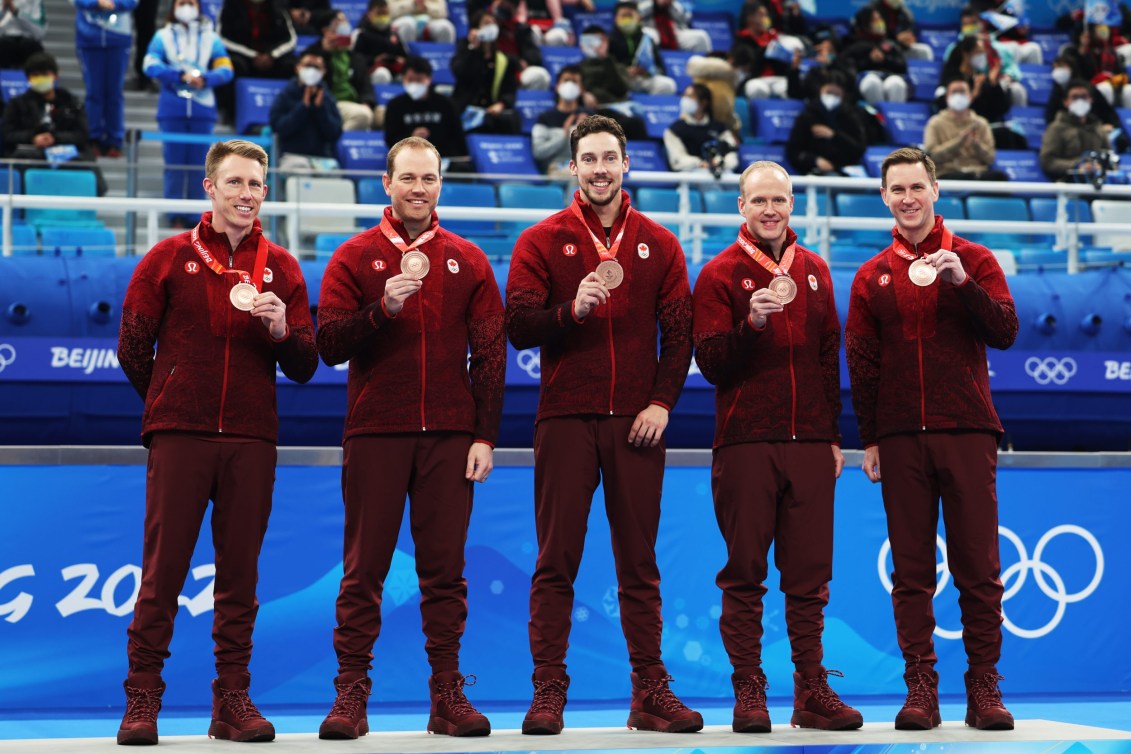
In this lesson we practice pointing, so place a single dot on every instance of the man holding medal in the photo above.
(405, 303)
(767, 336)
(223, 306)
(920, 317)
(594, 286)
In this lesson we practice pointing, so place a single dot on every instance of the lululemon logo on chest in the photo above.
(453, 266)
(569, 250)
(885, 280)
(747, 284)
(192, 267)
(642, 251)
(813, 281)
(379, 265)
(268, 276)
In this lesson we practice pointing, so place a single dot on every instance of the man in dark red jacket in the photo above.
(921, 314)
(224, 306)
(767, 336)
(404, 303)
(602, 384)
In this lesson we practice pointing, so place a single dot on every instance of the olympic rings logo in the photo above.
(530, 361)
(1047, 578)
(1054, 370)
(7, 355)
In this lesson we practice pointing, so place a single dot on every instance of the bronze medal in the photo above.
(922, 273)
(784, 287)
(611, 272)
(415, 265)
(243, 296)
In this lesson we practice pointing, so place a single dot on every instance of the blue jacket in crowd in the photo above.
(312, 131)
(177, 48)
(95, 27)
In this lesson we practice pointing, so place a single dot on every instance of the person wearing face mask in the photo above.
(637, 52)
(670, 21)
(1075, 131)
(516, 38)
(48, 116)
(1063, 71)
(424, 112)
(188, 60)
(1096, 58)
(979, 57)
(302, 11)
(260, 40)
(880, 60)
(306, 119)
(379, 45)
(829, 133)
(686, 138)
(103, 37)
(605, 78)
(899, 27)
(767, 53)
(346, 72)
(422, 20)
(959, 140)
(486, 79)
(549, 138)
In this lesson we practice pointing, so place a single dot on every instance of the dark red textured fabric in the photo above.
(932, 341)
(781, 382)
(214, 370)
(410, 373)
(607, 363)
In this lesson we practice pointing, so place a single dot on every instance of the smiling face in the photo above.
(766, 203)
(910, 194)
(599, 166)
(237, 190)
(414, 186)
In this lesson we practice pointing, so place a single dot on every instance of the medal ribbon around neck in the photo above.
(945, 245)
(776, 268)
(254, 279)
(606, 254)
(396, 240)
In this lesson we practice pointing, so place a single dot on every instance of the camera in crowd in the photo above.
(713, 153)
(1098, 167)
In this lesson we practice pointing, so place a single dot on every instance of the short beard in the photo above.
(607, 201)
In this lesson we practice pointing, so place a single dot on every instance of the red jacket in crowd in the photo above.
(779, 383)
(605, 364)
(410, 373)
(214, 370)
(917, 356)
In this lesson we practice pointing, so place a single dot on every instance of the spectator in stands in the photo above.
(717, 74)
(1074, 133)
(304, 11)
(601, 74)
(48, 117)
(959, 140)
(670, 22)
(22, 28)
(424, 112)
(486, 80)
(1063, 71)
(1014, 38)
(346, 72)
(549, 138)
(763, 53)
(970, 60)
(637, 52)
(1095, 59)
(899, 27)
(517, 40)
(986, 57)
(829, 134)
(879, 59)
(824, 64)
(422, 20)
(546, 19)
(103, 37)
(377, 43)
(260, 40)
(189, 61)
(696, 141)
(306, 119)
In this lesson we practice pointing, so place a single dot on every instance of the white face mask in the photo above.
(830, 101)
(186, 14)
(416, 90)
(569, 90)
(489, 33)
(309, 75)
(1080, 107)
(343, 29)
(688, 105)
(958, 102)
(979, 61)
(1061, 75)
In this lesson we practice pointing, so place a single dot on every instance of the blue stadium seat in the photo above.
(925, 77)
(385, 92)
(1050, 43)
(850, 257)
(354, 10)
(602, 18)
(745, 128)
(439, 54)
(1038, 259)
(675, 65)
(719, 27)
(1020, 165)
(938, 38)
(493, 153)
(874, 159)
(87, 242)
(371, 191)
(254, 98)
(905, 121)
(12, 83)
(658, 111)
(325, 244)
(556, 58)
(721, 201)
(24, 242)
(1104, 258)
(61, 183)
(362, 150)
(998, 208)
(530, 104)
(861, 205)
(454, 194)
(801, 203)
(645, 155)
(1043, 210)
(457, 14)
(1038, 81)
(748, 153)
(526, 196)
(1031, 122)
(950, 207)
(773, 118)
(650, 199)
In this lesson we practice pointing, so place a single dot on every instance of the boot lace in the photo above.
(142, 705)
(240, 704)
(549, 696)
(819, 686)
(661, 695)
(350, 699)
(919, 689)
(986, 691)
(751, 693)
(452, 694)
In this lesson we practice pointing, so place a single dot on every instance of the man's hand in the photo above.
(263, 61)
(824, 165)
(648, 427)
(272, 312)
(397, 290)
(763, 303)
(871, 465)
(949, 266)
(838, 461)
(591, 292)
(822, 131)
(43, 140)
(480, 461)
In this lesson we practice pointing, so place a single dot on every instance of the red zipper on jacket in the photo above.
(423, 362)
(792, 380)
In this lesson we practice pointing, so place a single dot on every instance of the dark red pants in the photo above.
(774, 492)
(571, 456)
(185, 471)
(961, 468)
(378, 471)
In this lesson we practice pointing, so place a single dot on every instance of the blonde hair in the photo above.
(410, 142)
(763, 165)
(239, 147)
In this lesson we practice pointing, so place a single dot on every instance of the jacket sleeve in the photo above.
(986, 297)
(156, 64)
(862, 350)
(674, 314)
(328, 119)
(220, 69)
(395, 127)
(286, 46)
(74, 130)
(678, 157)
(227, 25)
(17, 128)
(546, 141)
(531, 319)
(345, 323)
(1053, 161)
(288, 115)
(296, 353)
(941, 150)
(830, 354)
(142, 310)
(360, 80)
(721, 347)
(488, 363)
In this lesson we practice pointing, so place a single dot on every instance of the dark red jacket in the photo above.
(917, 356)
(607, 363)
(779, 383)
(215, 365)
(410, 373)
